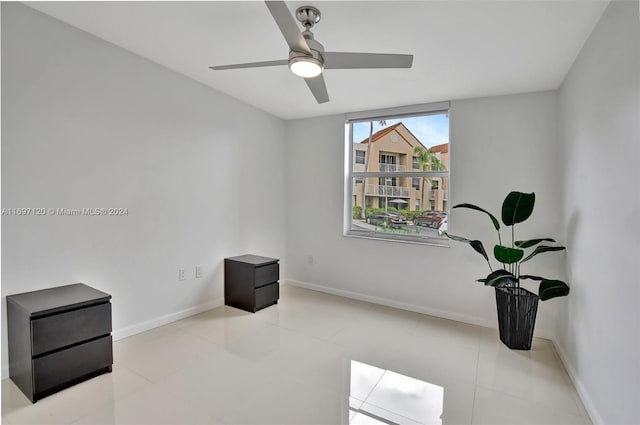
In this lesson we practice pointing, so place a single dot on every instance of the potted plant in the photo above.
(517, 307)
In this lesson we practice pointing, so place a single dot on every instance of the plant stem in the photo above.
(513, 265)
(500, 242)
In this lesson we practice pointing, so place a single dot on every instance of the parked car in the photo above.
(391, 219)
(430, 219)
(443, 226)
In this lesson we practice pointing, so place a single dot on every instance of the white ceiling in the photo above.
(462, 49)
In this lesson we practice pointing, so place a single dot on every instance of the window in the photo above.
(387, 181)
(388, 162)
(399, 177)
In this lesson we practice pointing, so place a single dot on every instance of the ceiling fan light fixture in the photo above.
(305, 67)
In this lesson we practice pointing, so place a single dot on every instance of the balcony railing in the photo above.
(392, 168)
(380, 190)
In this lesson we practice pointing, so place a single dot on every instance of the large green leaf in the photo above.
(551, 289)
(517, 207)
(532, 242)
(543, 248)
(507, 255)
(500, 278)
(494, 220)
(475, 244)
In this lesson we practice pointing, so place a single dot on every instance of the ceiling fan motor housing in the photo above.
(316, 48)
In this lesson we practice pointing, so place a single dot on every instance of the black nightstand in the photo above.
(251, 282)
(58, 337)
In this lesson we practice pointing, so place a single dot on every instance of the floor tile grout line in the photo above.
(475, 386)
(374, 387)
(528, 400)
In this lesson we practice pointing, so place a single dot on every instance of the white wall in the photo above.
(598, 327)
(498, 144)
(88, 124)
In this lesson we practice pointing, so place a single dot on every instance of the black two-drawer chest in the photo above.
(58, 337)
(251, 282)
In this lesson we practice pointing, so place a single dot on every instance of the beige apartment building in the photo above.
(392, 150)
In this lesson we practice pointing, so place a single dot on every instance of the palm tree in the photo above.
(428, 161)
(366, 161)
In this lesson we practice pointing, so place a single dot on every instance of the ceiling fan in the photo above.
(307, 57)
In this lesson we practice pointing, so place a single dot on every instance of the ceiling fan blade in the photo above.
(318, 88)
(250, 65)
(288, 26)
(342, 60)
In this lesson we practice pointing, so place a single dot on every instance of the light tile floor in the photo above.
(314, 359)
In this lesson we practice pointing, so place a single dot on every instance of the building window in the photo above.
(388, 162)
(387, 181)
(399, 177)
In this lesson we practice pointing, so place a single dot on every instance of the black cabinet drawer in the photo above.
(60, 330)
(59, 368)
(266, 274)
(266, 295)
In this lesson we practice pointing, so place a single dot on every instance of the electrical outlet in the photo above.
(198, 272)
(180, 274)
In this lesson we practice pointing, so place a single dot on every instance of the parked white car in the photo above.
(443, 226)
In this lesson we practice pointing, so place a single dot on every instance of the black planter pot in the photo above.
(517, 310)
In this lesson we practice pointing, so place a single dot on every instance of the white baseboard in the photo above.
(577, 383)
(163, 320)
(153, 323)
(541, 333)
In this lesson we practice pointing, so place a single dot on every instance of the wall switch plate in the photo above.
(180, 274)
(198, 272)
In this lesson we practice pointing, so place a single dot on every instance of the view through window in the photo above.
(399, 177)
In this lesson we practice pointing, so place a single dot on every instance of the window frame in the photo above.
(413, 182)
(350, 174)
